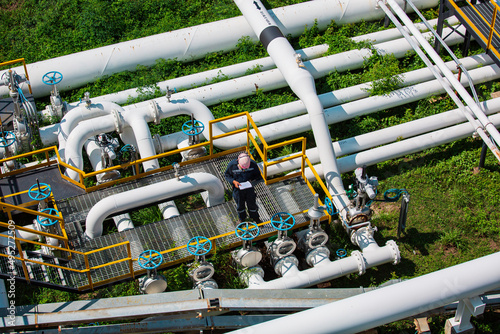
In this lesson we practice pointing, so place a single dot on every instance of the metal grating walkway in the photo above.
(291, 196)
(472, 19)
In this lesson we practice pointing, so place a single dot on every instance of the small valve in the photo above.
(281, 249)
(152, 282)
(170, 92)
(247, 256)
(201, 271)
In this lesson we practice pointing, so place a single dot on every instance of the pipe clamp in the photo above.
(395, 249)
(155, 112)
(361, 262)
(118, 120)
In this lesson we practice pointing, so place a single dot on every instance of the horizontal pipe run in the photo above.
(400, 301)
(238, 70)
(150, 194)
(371, 256)
(192, 43)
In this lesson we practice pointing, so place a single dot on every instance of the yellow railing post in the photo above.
(87, 266)
(21, 255)
(492, 28)
(130, 261)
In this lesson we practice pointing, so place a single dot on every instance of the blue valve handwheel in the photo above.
(247, 231)
(193, 128)
(199, 246)
(283, 221)
(52, 78)
(150, 259)
(329, 206)
(44, 221)
(341, 252)
(5, 140)
(39, 194)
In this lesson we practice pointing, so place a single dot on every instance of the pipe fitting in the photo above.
(360, 260)
(118, 119)
(155, 112)
(395, 249)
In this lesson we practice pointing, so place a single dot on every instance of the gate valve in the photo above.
(193, 129)
(247, 256)
(152, 282)
(283, 246)
(314, 237)
(201, 271)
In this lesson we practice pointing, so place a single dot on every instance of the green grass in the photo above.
(453, 214)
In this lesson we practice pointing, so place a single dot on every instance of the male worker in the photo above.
(240, 172)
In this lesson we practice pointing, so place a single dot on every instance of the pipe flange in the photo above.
(157, 143)
(118, 120)
(361, 262)
(395, 249)
(155, 112)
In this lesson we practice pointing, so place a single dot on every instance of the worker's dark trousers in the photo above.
(246, 196)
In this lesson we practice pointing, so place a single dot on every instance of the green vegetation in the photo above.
(453, 215)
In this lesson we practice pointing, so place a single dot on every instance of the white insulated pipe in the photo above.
(302, 84)
(372, 255)
(466, 110)
(464, 94)
(137, 119)
(238, 70)
(385, 136)
(193, 42)
(244, 86)
(391, 303)
(152, 193)
(168, 209)
(4, 238)
(273, 79)
(404, 147)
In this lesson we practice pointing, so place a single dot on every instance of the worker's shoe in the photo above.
(257, 221)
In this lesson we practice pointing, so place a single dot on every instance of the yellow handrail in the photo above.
(20, 60)
(486, 39)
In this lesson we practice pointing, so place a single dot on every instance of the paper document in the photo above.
(245, 185)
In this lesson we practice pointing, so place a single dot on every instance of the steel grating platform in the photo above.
(473, 16)
(290, 195)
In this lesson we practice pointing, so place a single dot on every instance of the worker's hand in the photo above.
(236, 184)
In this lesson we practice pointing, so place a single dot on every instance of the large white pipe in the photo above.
(404, 147)
(152, 193)
(237, 70)
(391, 303)
(464, 94)
(193, 42)
(4, 238)
(273, 79)
(245, 86)
(326, 270)
(302, 84)
(388, 135)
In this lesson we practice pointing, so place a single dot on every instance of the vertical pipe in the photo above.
(302, 84)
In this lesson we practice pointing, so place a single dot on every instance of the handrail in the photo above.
(257, 141)
(20, 60)
(87, 269)
(486, 39)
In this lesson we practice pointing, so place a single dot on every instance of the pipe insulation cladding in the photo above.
(195, 42)
(391, 303)
(302, 84)
(160, 191)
